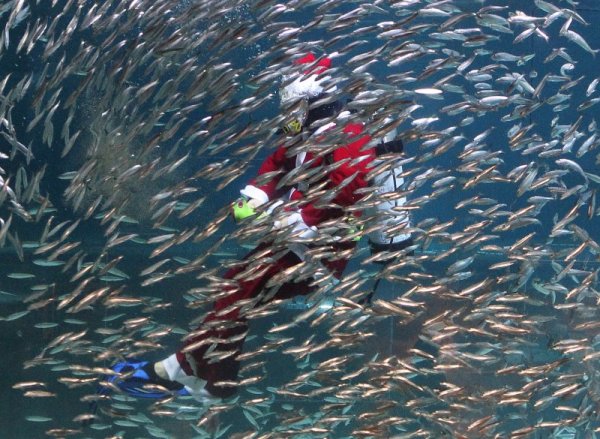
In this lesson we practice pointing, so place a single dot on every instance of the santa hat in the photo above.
(309, 84)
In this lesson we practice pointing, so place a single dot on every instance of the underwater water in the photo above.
(145, 123)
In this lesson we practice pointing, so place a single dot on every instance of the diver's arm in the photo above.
(256, 194)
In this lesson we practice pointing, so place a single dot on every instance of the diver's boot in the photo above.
(140, 379)
(170, 369)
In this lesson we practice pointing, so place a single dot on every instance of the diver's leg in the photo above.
(207, 361)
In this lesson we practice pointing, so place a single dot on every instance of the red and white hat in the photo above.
(309, 84)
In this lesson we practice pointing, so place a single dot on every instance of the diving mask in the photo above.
(297, 119)
(292, 127)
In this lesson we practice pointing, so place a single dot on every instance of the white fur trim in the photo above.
(306, 231)
(255, 193)
(172, 367)
(300, 229)
(274, 206)
(305, 86)
(193, 384)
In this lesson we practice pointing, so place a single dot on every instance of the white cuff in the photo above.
(274, 206)
(194, 385)
(306, 232)
(255, 193)
(173, 368)
(301, 229)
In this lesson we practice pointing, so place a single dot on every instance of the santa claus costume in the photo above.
(206, 365)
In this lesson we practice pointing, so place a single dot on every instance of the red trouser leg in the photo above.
(222, 325)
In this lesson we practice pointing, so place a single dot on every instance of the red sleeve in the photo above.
(355, 172)
(278, 161)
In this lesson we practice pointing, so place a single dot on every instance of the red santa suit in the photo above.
(222, 333)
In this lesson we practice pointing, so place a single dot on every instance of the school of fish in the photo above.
(126, 128)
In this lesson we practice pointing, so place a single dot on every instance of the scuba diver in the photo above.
(206, 366)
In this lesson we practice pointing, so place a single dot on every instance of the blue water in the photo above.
(391, 337)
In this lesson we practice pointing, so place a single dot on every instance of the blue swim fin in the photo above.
(138, 379)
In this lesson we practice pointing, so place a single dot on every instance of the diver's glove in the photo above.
(244, 208)
(294, 221)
